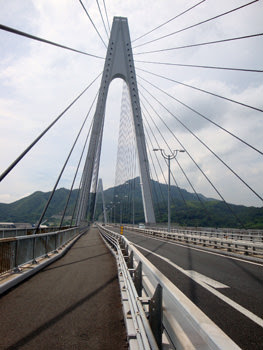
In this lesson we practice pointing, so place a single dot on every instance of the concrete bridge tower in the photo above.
(118, 64)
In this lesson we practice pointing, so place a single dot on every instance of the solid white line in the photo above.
(205, 251)
(221, 296)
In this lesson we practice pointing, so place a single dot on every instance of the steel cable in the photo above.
(80, 182)
(170, 20)
(165, 181)
(105, 9)
(201, 66)
(203, 116)
(148, 124)
(154, 168)
(201, 44)
(104, 25)
(205, 145)
(77, 169)
(19, 32)
(188, 180)
(200, 169)
(154, 189)
(7, 171)
(92, 23)
(197, 24)
(60, 174)
(202, 90)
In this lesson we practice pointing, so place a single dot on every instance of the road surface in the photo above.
(228, 290)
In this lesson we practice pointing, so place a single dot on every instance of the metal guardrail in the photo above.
(169, 311)
(14, 232)
(237, 234)
(20, 250)
(139, 333)
(217, 242)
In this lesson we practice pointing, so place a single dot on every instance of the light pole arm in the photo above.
(169, 156)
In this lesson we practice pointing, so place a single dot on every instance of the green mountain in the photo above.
(187, 208)
(29, 209)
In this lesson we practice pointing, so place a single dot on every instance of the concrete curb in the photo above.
(18, 278)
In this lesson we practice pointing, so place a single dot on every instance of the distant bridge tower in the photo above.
(100, 190)
(118, 64)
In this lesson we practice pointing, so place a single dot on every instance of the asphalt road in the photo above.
(74, 303)
(235, 304)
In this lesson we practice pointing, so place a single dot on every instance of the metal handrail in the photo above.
(20, 250)
(14, 232)
(187, 326)
(250, 235)
(225, 242)
(139, 335)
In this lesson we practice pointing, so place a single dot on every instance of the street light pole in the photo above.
(115, 204)
(169, 184)
(133, 210)
(169, 157)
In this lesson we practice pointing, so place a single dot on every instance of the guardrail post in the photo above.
(122, 244)
(16, 268)
(126, 251)
(130, 261)
(47, 256)
(156, 315)
(137, 279)
(34, 261)
(56, 243)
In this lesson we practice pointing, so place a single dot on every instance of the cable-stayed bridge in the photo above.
(207, 123)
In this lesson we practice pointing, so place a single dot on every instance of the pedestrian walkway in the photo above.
(74, 303)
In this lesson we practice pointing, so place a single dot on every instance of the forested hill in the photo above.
(186, 208)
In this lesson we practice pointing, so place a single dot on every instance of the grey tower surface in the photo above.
(118, 64)
(100, 190)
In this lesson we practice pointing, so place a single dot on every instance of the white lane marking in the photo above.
(221, 296)
(204, 251)
(199, 277)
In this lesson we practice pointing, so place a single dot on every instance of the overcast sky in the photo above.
(38, 81)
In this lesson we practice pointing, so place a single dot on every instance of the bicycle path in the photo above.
(73, 303)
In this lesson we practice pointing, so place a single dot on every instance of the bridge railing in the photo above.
(237, 234)
(14, 232)
(181, 325)
(20, 250)
(139, 333)
(217, 241)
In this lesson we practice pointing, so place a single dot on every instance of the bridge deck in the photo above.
(72, 304)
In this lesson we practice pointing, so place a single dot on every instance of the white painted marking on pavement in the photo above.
(199, 277)
(221, 296)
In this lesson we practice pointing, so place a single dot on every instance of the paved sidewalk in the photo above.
(74, 303)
